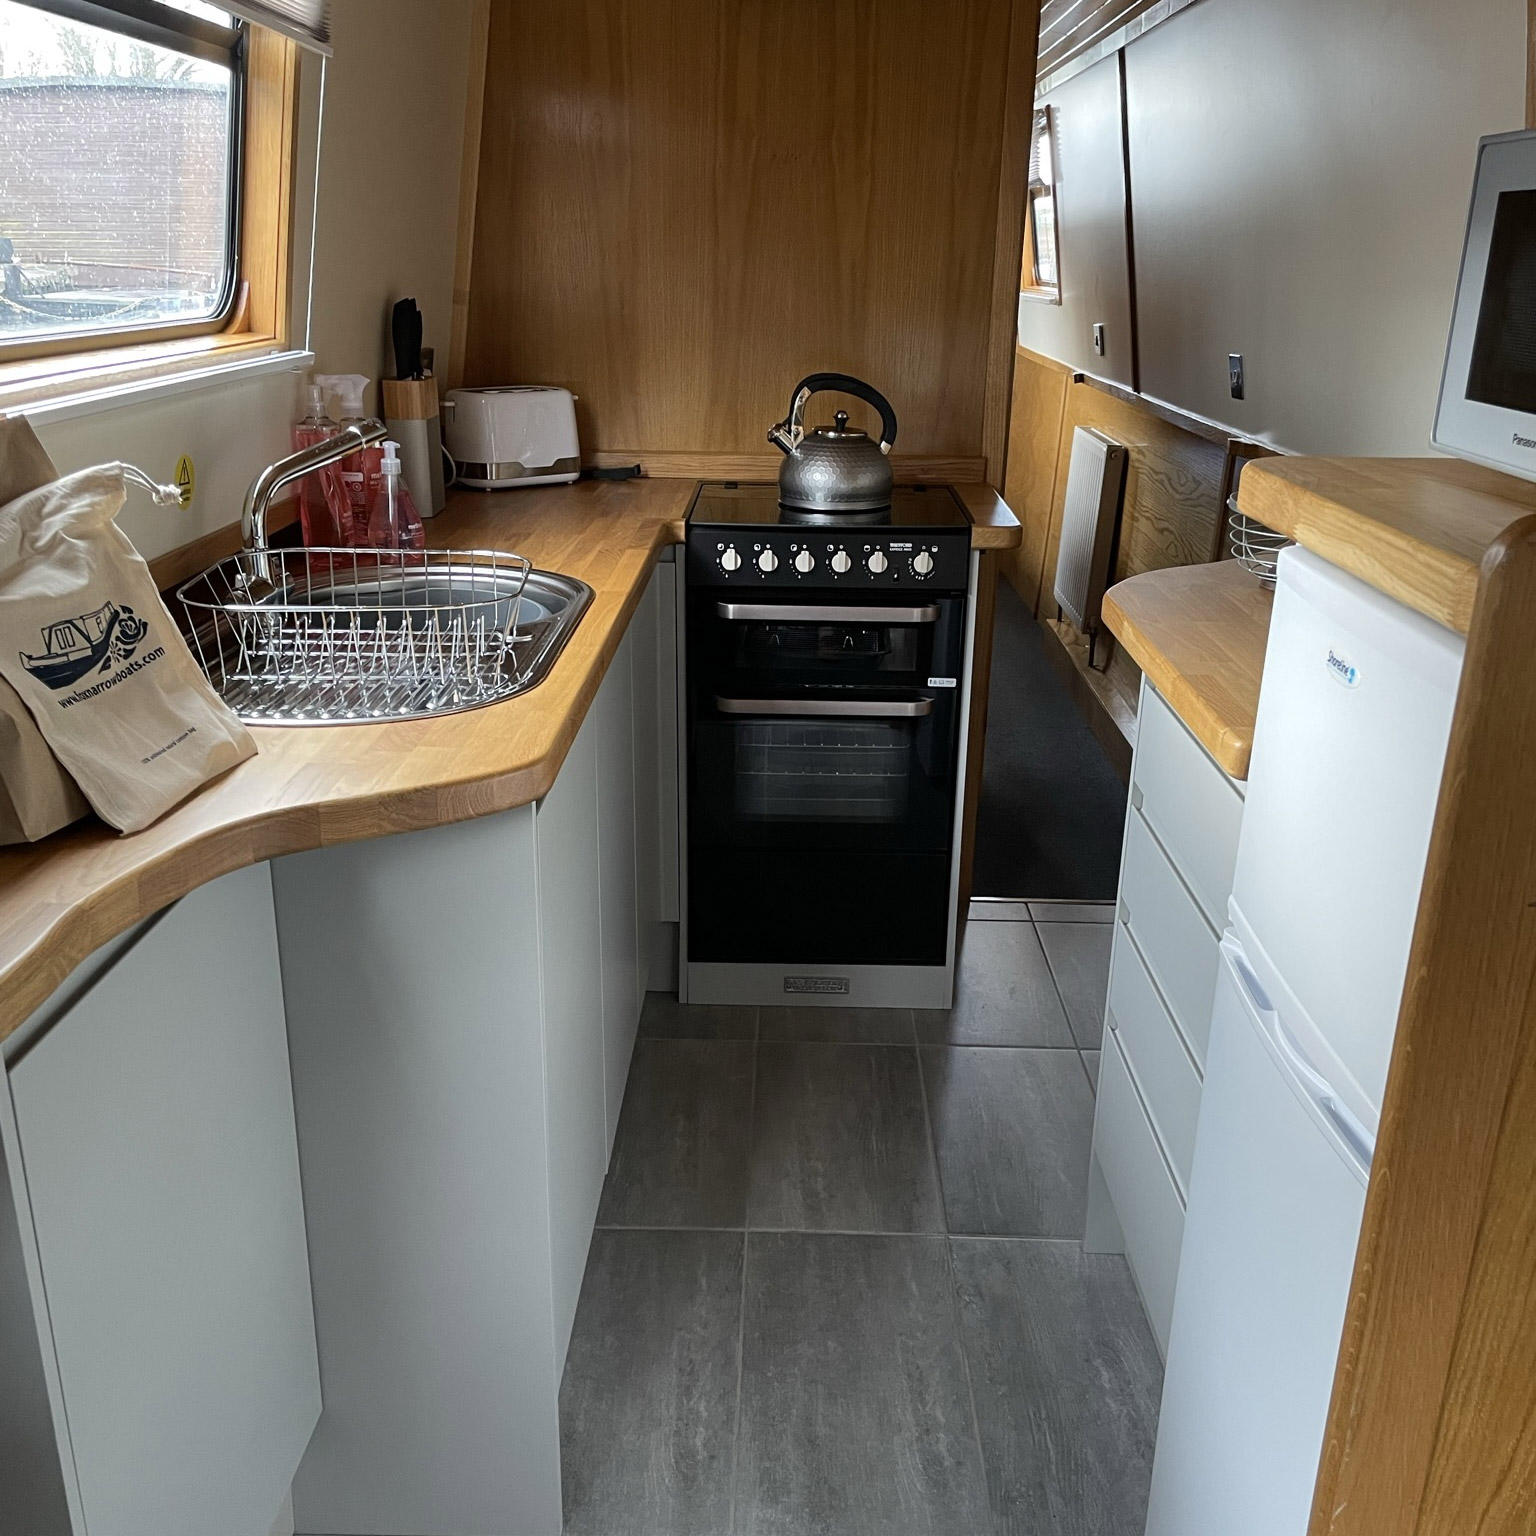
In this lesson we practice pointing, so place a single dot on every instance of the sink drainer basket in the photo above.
(305, 636)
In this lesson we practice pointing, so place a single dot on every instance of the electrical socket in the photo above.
(1235, 374)
(1098, 339)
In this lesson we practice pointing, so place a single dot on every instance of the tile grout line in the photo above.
(1061, 996)
(954, 1285)
(741, 1304)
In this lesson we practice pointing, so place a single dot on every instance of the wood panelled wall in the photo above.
(1172, 512)
(685, 206)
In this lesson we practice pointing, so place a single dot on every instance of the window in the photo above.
(1041, 276)
(120, 149)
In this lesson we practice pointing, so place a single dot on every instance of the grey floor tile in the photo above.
(840, 1141)
(877, 1026)
(680, 1156)
(1012, 1130)
(648, 1403)
(992, 910)
(1072, 911)
(1079, 957)
(855, 1414)
(664, 1018)
(1004, 994)
(1091, 1062)
(1066, 1380)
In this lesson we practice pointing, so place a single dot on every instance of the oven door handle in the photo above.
(863, 709)
(808, 613)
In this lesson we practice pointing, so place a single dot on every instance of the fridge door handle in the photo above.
(1357, 1140)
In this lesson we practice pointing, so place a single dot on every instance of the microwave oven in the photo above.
(1487, 408)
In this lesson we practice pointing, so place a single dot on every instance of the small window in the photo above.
(120, 137)
(1041, 276)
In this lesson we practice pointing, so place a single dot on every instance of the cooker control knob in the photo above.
(767, 561)
(922, 563)
(730, 560)
(805, 562)
(841, 562)
(878, 562)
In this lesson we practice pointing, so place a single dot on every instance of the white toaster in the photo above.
(513, 435)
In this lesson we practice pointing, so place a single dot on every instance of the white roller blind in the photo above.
(306, 21)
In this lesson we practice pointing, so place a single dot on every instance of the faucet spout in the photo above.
(266, 485)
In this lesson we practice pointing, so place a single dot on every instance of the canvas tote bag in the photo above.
(36, 795)
(91, 649)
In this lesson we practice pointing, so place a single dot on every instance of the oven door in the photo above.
(823, 748)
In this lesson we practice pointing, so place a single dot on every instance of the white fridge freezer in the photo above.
(1349, 749)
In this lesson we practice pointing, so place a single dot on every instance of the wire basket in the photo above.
(307, 636)
(1253, 546)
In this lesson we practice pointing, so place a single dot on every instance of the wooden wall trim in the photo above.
(469, 187)
(1008, 249)
(1432, 1429)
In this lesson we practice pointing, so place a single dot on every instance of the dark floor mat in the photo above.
(1052, 808)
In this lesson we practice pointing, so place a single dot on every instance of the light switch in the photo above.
(1235, 373)
(1098, 339)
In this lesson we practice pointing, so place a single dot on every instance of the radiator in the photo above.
(1095, 484)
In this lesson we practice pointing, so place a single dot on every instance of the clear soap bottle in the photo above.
(393, 521)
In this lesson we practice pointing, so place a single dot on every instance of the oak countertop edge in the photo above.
(1199, 632)
(312, 787)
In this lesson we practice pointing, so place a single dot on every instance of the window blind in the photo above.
(306, 21)
(1080, 32)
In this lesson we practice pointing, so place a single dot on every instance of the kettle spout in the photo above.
(782, 437)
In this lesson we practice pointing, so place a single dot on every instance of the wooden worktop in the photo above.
(1416, 529)
(1198, 632)
(307, 787)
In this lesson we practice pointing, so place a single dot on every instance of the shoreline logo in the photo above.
(1342, 669)
(88, 642)
(1522, 442)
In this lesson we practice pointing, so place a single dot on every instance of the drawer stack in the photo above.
(1175, 876)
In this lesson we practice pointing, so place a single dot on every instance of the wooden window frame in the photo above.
(1030, 285)
(258, 320)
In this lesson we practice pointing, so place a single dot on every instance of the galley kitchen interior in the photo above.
(766, 769)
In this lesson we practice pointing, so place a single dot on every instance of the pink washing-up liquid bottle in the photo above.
(393, 521)
(324, 518)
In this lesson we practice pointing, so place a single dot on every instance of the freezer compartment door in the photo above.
(1275, 1202)
(1349, 746)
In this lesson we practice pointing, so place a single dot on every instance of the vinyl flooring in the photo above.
(837, 1287)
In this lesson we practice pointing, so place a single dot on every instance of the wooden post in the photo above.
(1432, 1428)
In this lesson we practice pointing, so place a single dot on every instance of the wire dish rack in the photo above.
(1253, 546)
(318, 636)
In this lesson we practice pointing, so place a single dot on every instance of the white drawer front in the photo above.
(1159, 1060)
(1194, 808)
(1179, 945)
(1145, 1196)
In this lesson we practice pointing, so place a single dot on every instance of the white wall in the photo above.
(1090, 199)
(1300, 172)
(389, 178)
(394, 108)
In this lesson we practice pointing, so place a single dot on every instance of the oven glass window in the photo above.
(810, 770)
(1503, 368)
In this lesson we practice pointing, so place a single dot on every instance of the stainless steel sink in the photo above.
(310, 637)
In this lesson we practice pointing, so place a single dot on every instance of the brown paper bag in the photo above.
(36, 795)
(91, 649)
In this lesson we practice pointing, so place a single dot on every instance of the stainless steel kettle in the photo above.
(837, 468)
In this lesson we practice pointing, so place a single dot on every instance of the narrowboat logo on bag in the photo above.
(90, 641)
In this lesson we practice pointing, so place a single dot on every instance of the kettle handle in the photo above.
(788, 433)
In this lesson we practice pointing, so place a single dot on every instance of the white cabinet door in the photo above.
(570, 943)
(618, 878)
(158, 1157)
